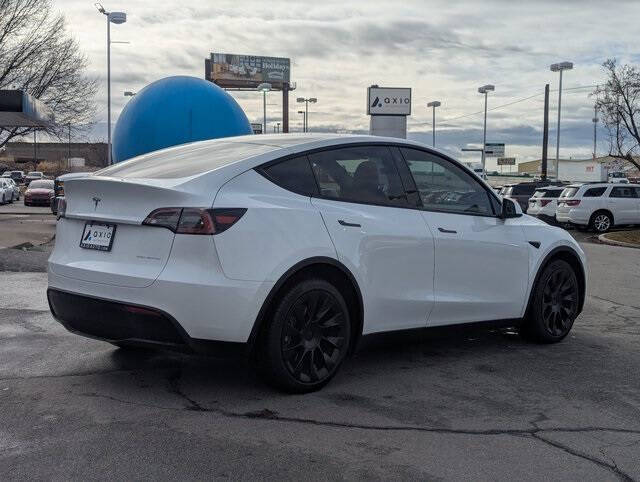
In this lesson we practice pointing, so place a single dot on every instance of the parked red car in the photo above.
(39, 193)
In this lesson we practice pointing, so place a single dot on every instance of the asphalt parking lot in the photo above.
(457, 404)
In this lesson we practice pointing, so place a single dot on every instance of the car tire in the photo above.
(601, 221)
(554, 305)
(307, 338)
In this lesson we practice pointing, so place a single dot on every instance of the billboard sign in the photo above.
(248, 71)
(506, 161)
(494, 149)
(388, 101)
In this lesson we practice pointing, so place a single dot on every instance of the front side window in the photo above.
(443, 186)
(294, 175)
(364, 174)
(623, 192)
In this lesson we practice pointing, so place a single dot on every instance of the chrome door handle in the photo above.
(351, 225)
(448, 231)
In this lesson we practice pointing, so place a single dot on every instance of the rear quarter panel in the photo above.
(279, 229)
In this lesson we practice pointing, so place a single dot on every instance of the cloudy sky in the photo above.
(443, 50)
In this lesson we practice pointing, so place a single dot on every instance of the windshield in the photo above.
(46, 184)
(35, 174)
(185, 162)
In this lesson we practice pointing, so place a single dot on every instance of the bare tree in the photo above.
(38, 56)
(618, 104)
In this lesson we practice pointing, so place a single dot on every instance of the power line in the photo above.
(517, 101)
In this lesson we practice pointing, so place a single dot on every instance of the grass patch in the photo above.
(626, 236)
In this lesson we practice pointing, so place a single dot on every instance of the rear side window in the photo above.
(623, 192)
(293, 174)
(569, 192)
(365, 174)
(594, 192)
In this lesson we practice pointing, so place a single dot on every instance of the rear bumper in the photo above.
(130, 324)
(573, 216)
(38, 202)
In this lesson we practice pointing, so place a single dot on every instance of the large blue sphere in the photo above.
(173, 111)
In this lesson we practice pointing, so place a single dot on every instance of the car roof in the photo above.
(261, 148)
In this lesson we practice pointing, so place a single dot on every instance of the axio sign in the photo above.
(388, 101)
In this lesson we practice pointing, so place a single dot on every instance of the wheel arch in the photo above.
(327, 268)
(603, 210)
(569, 255)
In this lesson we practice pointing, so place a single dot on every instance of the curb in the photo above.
(603, 239)
(24, 213)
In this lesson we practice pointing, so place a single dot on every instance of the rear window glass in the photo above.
(294, 175)
(523, 190)
(594, 192)
(569, 192)
(185, 162)
(552, 193)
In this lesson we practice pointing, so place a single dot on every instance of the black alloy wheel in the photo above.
(554, 305)
(313, 336)
(308, 337)
(559, 302)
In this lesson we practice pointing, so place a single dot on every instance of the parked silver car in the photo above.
(16, 190)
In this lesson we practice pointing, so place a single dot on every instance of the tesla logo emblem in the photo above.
(96, 200)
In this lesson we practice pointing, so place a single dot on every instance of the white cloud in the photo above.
(444, 50)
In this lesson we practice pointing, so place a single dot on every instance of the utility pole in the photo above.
(595, 124)
(69, 153)
(35, 150)
(545, 134)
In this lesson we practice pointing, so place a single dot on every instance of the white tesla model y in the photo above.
(291, 248)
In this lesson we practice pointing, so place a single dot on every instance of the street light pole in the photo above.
(117, 18)
(434, 104)
(313, 100)
(304, 120)
(560, 67)
(485, 89)
(264, 88)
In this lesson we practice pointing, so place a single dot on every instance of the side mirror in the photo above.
(510, 209)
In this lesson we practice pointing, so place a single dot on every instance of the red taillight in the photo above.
(544, 202)
(572, 202)
(224, 218)
(194, 220)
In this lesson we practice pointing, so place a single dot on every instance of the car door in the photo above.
(623, 204)
(481, 261)
(376, 233)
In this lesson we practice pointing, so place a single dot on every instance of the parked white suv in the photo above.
(544, 202)
(294, 247)
(599, 205)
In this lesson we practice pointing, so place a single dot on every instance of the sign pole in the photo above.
(285, 107)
